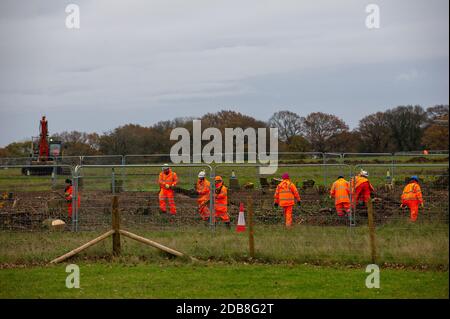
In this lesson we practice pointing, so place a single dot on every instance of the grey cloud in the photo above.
(177, 57)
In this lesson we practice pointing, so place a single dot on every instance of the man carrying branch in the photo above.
(167, 182)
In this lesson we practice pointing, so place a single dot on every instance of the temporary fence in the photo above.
(138, 191)
(27, 201)
(317, 234)
(433, 180)
(312, 181)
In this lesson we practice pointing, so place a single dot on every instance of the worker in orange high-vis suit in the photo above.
(68, 195)
(221, 202)
(285, 196)
(203, 189)
(361, 188)
(167, 181)
(340, 191)
(412, 197)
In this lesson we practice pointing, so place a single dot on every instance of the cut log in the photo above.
(54, 224)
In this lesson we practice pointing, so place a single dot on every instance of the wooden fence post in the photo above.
(116, 226)
(83, 247)
(251, 239)
(370, 220)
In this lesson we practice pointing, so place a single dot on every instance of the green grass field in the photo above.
(401, 243)
(145, 179)
(212, 280)
(305, 262)
(413, 261)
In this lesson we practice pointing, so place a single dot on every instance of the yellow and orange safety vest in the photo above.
(340, 191)
(412, 191)
(286, 193)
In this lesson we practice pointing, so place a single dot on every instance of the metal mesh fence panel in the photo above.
(312, 181)
(318, 233)
(102, 160)
(28, 200)
(138, 191)
(147, 159)
(398, 239)
(433, 180)
(420, 158)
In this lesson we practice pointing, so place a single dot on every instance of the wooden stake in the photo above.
(116, 226)
(151, 243)
(251, 239)
(370, 220)
(83, 247)
(115, 233)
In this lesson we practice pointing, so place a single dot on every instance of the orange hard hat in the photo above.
(218, 179)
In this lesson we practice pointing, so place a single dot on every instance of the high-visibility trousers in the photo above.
(167, 194)
(69, 209)
(288, 215)
(413, 206)
(342, 208)
(221, 215)
(203, 210)
(362, 193)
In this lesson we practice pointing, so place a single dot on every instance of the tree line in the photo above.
(403, 128)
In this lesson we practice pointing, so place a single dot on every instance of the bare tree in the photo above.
(375, 133)
(435, 135)
(289, 124)
(320, 127)
(437, 111)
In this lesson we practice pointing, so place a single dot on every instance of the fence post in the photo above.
(393, 162)
(75, 203)
(352, 216)
(116, 226)
(123, 173)
(370, 220)
(54, 173)
(113, 181)
(251, 238)
(212, 197)
(324, 161)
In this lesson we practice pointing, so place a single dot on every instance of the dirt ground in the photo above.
(28, 210)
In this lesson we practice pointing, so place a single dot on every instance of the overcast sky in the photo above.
(145, 61)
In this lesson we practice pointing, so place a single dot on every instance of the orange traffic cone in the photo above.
(241, 220)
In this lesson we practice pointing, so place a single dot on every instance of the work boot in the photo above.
(228, 225)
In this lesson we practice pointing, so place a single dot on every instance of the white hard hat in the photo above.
(201, 174)
(364, 173)
(165, 166)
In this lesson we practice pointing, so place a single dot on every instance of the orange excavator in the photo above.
(45, 154)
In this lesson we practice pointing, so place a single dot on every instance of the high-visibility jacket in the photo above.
(412, 191)
(340, 191)
(286, 193)
(170, 179)
(221, 199)
(68, 191)
(203, 188)
(68, 195)
(358, 181)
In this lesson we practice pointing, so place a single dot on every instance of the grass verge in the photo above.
(406, 244)
(116, 280)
